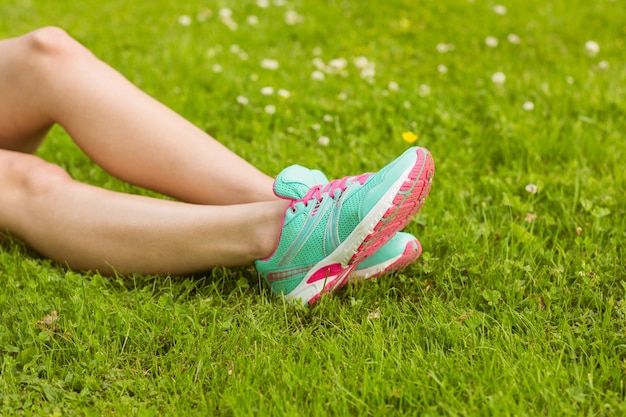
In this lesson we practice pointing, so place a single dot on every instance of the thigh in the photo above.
(22, 123)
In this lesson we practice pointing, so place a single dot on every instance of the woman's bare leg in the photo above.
(90, 228)
(47, 77)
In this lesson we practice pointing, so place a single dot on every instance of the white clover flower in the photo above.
(254, 77)
(528, 106)
(263, 4)
(513, 38)
(491, 41)
(217, 68)
(317, 51)
(293, 18)
(328, 118)
(284, 93)
(393, 86)
(279, 3)
(270, 64)
(270, 109)
(424, 90)
(243, 56)
(252, 20)
(442, 69)
(442, 48)
(231, 24)
(406, 105)
(226, 15)
(531, 188)
(498, 78)
(234, 48)
(242, 100)
(603, 65)
(342, 96)
(499, 9)
(361, 62)
(323, 140)
(368, 73)
(316, 126)
(592, 48)
(338, 64)
(267, 91)
(366, 68)
(184, 20)
(318, 75)
(319, 64)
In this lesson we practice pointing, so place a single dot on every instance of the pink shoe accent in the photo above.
(407, 203)
(412, 251)
(409, 256)
(325, 273)
(315, 193)
(334, 285)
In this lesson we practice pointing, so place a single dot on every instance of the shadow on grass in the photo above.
(220, 283)
(230, 289)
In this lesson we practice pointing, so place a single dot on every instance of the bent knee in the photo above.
(32, 175)
(51, 40)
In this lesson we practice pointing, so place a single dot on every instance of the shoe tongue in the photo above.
(295, 181)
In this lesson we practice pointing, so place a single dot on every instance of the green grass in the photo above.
(505, 314)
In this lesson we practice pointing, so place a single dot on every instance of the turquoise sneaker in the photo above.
(402, 250)
(335, 226)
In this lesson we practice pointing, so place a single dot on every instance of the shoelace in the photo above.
(315, 193)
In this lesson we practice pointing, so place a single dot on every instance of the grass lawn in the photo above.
(517, 304)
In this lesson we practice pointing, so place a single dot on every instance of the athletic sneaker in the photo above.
(402, 250)
(335, 226)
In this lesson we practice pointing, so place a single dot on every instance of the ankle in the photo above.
(269, 228)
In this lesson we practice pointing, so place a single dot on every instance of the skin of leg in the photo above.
(47, 77)
(89, 228)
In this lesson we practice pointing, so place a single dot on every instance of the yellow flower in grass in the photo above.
(409, 137)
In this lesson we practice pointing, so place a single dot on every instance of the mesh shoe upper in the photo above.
(335, 226)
